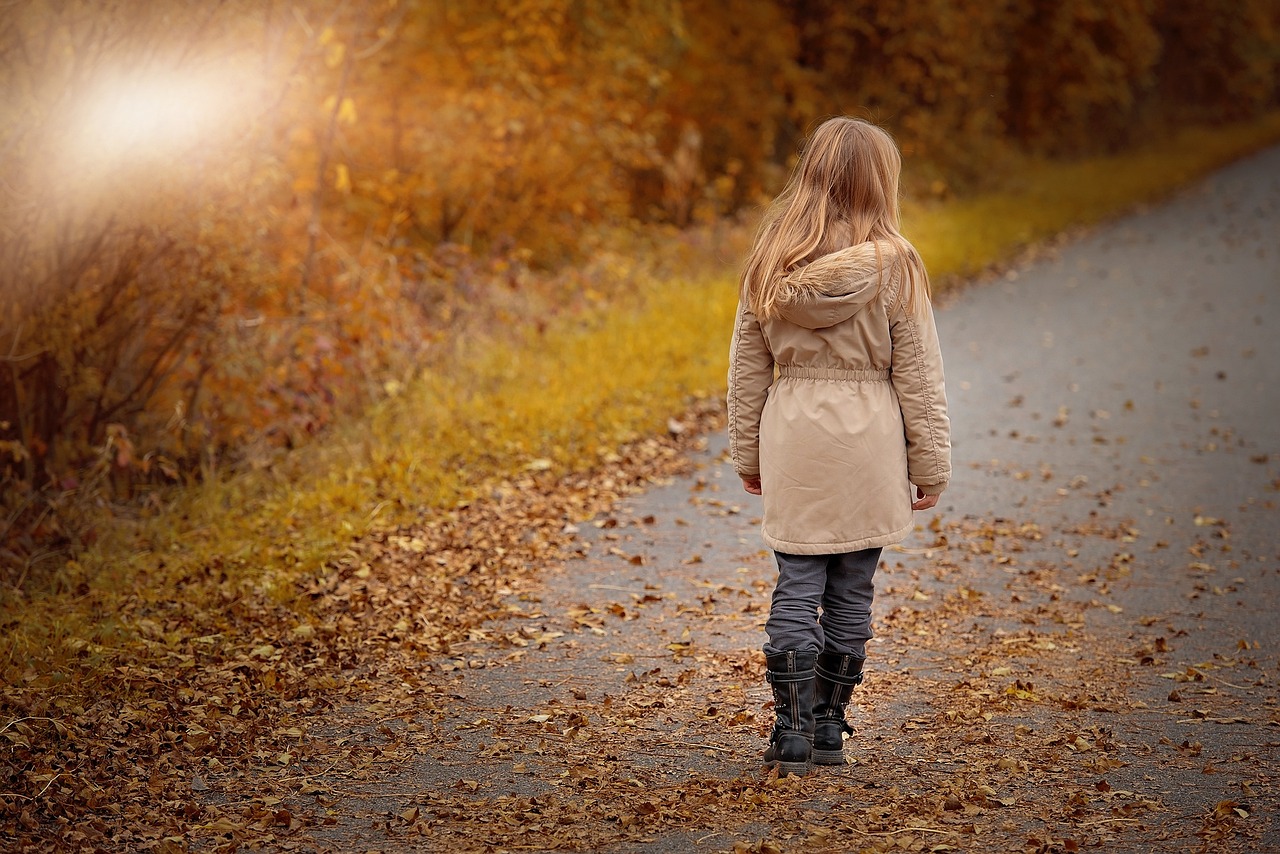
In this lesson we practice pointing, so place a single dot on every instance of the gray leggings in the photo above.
(841, 584)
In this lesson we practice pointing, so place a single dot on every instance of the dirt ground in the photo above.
(1076, 650)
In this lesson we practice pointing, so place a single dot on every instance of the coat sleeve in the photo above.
(917, 379)
(750, 376)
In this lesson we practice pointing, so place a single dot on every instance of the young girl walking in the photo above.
(836, 413)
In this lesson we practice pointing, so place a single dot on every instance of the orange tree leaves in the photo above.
(1079, 70)
(404, 165)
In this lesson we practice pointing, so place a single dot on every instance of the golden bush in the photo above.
(397, 174)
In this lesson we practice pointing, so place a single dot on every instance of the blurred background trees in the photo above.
(222, 224)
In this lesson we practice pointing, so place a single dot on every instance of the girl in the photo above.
(836, 409)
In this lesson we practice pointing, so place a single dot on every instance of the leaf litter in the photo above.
(497, 679)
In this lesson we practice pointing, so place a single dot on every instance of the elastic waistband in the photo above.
(834, 374)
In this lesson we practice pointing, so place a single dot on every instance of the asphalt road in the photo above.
(1142, 364)
(1076, 651)
(1118, 398)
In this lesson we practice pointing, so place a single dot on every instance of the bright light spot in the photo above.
(141, 116)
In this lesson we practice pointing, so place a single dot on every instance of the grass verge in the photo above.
(557, 400)
(1038, 199)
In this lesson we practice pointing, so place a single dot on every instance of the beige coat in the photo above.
(856, 414)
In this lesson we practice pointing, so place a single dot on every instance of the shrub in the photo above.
(396, 175)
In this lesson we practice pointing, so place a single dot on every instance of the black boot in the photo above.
(791, 745)
(836, 677)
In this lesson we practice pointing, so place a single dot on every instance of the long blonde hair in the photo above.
(844, 191)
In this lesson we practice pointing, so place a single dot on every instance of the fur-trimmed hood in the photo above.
(834, 287)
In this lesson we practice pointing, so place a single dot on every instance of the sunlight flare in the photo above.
(143, 115)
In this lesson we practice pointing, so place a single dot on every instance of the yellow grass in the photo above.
(560, 399)
(1038, 199)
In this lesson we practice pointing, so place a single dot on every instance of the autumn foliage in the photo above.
(381, 180)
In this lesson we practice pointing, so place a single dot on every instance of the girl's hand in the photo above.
(752, 485)
(923, 502)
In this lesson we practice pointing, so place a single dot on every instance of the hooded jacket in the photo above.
(838, 405)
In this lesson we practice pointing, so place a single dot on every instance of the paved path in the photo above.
(1077, 650)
